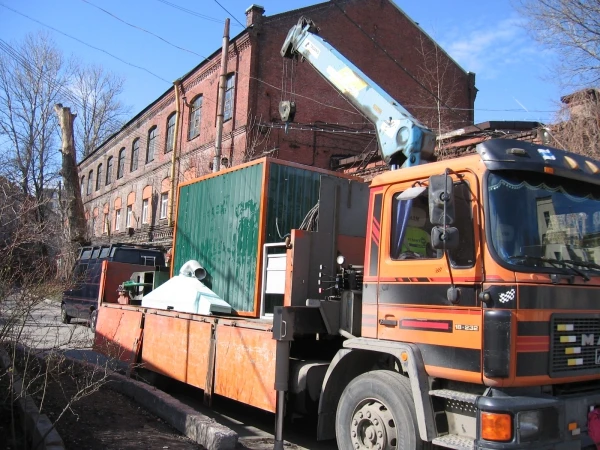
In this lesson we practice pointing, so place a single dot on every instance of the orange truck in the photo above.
(452, 304)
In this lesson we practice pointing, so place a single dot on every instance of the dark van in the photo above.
(81, 301)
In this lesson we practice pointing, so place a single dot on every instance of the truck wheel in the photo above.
(64, 317)
(93, 320)
(376, 411)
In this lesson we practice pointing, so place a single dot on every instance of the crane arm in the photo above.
(402, 139)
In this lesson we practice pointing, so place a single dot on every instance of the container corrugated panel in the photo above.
(217, 225)
(292, 192)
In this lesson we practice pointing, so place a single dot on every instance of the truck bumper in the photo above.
(544, 422)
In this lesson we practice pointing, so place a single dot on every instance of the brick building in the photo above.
(126, 182)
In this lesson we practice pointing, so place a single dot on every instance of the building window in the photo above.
(105, 224)
(117, 219)
(90, 182)
(229, 94)
(109, 170)
(82, 185)
(99, 177)
(170, 133)
(151, 145)
(129, 218)
(145, 211)
(121, 166)
(164, 205)
(195, 117)
(94, 226)
(135, 150)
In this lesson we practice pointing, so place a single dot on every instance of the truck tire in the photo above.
(376, 411)
(64, 317)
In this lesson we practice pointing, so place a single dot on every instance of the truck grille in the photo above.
(574, 345)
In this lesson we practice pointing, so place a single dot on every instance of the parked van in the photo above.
(81, 301)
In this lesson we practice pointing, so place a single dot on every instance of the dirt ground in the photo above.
(102, 420)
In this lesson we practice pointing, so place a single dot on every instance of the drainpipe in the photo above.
(221, 102)
(176, 84)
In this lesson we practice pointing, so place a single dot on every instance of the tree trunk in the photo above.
(75, 229)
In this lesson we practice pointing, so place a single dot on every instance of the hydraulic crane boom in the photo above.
(403, 140)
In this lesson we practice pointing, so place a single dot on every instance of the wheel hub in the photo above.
(373, 427)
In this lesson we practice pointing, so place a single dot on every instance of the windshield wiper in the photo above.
(559, 263)
(586, 264)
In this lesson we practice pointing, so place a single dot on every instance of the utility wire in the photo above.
(234, 18)
(142, 29)
(193, 13)
(85, 43)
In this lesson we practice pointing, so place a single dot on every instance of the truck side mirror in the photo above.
(444, 238)
(441, 200)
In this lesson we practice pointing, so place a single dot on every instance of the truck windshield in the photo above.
(545, 222)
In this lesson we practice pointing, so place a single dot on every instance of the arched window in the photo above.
(99, 177)
(170, 133)
(151, 145)
(195, 117)
(82, 185)
(135, 153)
(109, 170)
(229, 96)
(90, 182)
(121, 167)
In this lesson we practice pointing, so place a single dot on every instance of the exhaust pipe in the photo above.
(193, 268)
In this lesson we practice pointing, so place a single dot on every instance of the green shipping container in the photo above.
(224, 219)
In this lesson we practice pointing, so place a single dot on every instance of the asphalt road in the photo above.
(40, 328)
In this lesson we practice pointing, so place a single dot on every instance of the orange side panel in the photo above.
(198, 353)
(245, 366)
(165, 347)
(118, 333)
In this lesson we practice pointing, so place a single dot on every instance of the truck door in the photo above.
(426, 296)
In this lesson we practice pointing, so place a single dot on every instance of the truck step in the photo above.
(455, 441)
(454, 395)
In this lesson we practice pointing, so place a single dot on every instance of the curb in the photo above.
(36, 424)
(196, 426)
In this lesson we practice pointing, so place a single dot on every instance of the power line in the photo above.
(142, 29)
(85, 43)
(193, 13)
(234, 18)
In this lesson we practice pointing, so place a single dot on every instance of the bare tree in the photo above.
(437, 74)
(99, 109)
(32, 77)
(572, 28)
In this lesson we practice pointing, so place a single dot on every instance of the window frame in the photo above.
(99, 177)
(195, 112)
(170, 135)
(145, 211)
(117, 219)
(229, 97)
(164, 202)
(121, 164)
(129, 217)
(471, 228)
(90, 183)
(135, 155)
(151, 144)
(82, 185)
(109, 169)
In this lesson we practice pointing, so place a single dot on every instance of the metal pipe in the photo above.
(221, 100)
(176, 84)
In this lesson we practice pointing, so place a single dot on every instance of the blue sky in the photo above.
(488, 38)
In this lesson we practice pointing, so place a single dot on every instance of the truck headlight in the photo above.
(529, 425)
(538, 424)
